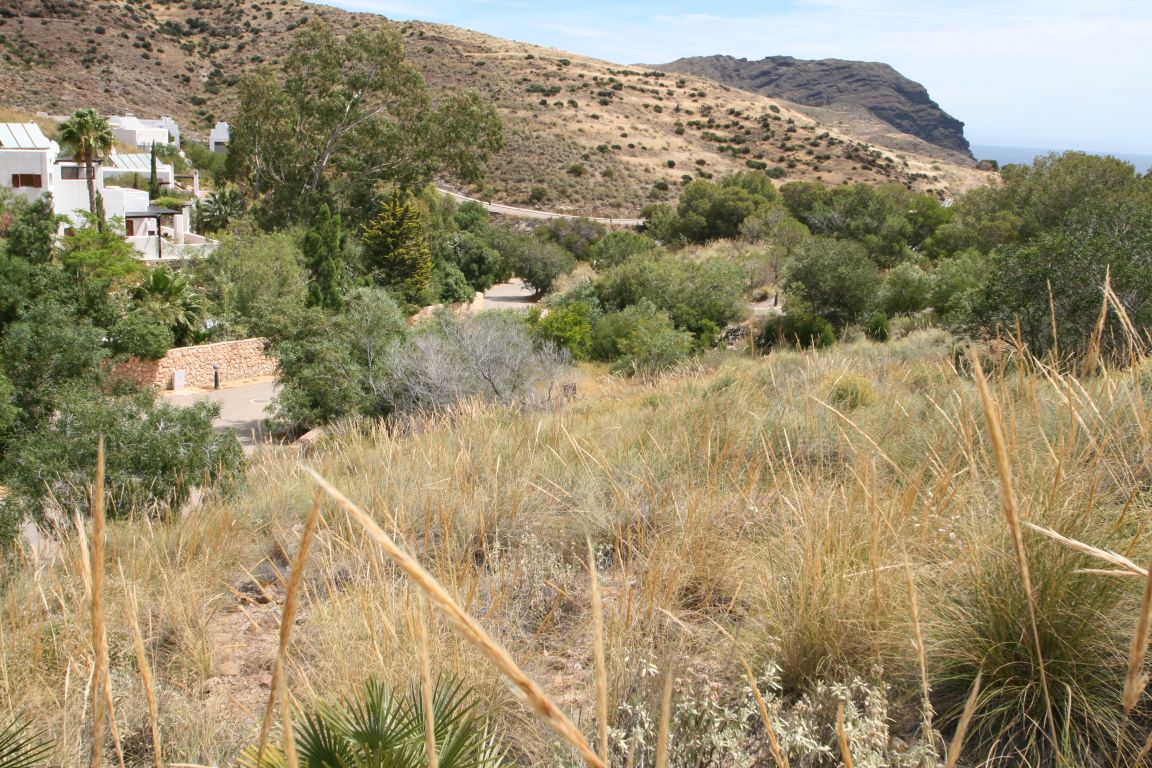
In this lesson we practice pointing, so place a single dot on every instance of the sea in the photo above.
(1025, 155)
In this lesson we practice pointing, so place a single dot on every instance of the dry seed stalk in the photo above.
(665, 722)
(598, 652)
(1136, 680)
(957, 744)
(99, 640)
(842, 736)
(467, 626)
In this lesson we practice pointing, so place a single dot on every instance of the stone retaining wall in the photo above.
(242, 359)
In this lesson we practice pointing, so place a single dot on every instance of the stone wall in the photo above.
(242, 359)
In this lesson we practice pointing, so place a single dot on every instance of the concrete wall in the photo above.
(242, 359)
(34, 161)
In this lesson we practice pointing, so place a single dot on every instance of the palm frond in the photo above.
(21, 746)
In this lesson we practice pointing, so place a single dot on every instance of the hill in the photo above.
(583, 136)
(871, 97)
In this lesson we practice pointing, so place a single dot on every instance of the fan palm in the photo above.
(21, 747)
(88, 135)
(220, 208)
(172, 300)
(382, 730)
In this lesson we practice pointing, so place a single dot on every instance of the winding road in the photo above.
(530, 213)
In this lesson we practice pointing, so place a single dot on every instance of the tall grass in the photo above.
(734, 513)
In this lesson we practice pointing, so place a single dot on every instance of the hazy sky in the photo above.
(1065, 74)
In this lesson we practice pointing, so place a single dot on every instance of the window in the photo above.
(73, 172)
(26, 180)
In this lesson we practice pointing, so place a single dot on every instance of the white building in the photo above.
(31, 167)
(138, 164)
(131, 130)
(218, 138)
(27, 159)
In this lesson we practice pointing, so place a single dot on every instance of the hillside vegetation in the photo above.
(833, 518)
(584, 136)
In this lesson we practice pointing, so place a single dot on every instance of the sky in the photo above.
(1059, 74)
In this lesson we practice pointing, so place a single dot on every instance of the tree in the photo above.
(1064, 272)
(155, 453)
(253, 280)
(906, 289)
(480, 263)
(153, 181)
(346, 115)
(332, 366)
(32, 233)
(221, 208)
(834, 278)
(99, 254)
(167, 296)
(617, 247)
(538, 263)
(323, 248)
(48, 350)
(396, 252)
(88, 135)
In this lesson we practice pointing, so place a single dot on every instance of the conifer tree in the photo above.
(396, 252)
(323, 248)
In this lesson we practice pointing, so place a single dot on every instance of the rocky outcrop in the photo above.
(878, 88)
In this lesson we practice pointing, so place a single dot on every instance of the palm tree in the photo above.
(220, 208)
(21, 747)
(382, 730)
(168, 296)
(88, 135)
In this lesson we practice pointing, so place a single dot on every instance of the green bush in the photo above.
(379, 728)
(848, 391)
(906, 289)
(155, 454)
(143, 334)
(797, 329)
(640, 339)
(569, 326)
(617, 247)
(877, 327)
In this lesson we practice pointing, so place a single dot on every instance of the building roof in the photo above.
(153, 212)
(23, 136)
(140, 162)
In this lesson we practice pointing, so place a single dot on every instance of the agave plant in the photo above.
(380, 729)
(21, 746)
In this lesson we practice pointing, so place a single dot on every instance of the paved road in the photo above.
(243, 408)
(509, 295)
(530, 213)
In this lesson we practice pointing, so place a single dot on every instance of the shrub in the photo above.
(617, 247)
(640, 339)
(142, 334)
(797, 329)
(569, 326)
(378, 728)
(906, 289)
(155, 453)
(848, 391)
(877, 327)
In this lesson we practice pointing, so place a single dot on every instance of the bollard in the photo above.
(215, 376)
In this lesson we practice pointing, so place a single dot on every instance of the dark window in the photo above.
(73, 172)
(26, 180)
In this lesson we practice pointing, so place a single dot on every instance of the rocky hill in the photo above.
(584, 136)
(832, 86)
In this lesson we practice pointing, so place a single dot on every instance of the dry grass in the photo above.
(731, 515)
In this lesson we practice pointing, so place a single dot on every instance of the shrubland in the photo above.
(832, 518)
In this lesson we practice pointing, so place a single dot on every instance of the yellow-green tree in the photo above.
(396, 251)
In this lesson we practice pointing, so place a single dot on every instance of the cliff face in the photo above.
(877, 88)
